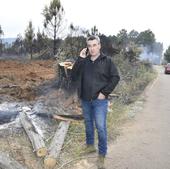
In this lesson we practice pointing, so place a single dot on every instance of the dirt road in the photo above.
(145, 142)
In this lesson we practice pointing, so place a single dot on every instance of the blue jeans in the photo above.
(96, 111)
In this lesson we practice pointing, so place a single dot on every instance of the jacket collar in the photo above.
(102, 55)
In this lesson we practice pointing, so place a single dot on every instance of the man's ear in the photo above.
(99, 45)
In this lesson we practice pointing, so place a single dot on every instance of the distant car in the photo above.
(167, 68)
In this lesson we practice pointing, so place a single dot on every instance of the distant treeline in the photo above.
(49, 44)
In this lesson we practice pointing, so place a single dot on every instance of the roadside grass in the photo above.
(116, 116)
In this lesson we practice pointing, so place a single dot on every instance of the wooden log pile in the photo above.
(52, 153)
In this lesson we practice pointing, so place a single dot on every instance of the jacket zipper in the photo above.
(92, 81)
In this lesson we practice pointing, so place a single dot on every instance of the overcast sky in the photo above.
(109, 16)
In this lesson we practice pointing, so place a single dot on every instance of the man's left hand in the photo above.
(101, 96)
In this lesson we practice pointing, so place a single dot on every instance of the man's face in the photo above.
(94, 47)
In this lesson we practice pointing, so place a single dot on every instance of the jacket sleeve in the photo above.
(113, 79)
(77, 69)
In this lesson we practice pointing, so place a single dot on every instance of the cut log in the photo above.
(56, 145)
(8, 163)
(36, 140)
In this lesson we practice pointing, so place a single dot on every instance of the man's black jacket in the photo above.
(93, 77)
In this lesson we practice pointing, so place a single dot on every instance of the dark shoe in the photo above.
(89, 149)
(100, 162)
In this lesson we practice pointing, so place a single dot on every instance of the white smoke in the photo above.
(152, 57)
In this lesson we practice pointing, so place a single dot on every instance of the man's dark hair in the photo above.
(93, 37)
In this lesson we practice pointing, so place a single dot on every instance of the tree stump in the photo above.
(64, 74)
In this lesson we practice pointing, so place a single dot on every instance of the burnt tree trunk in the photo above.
(64, 74)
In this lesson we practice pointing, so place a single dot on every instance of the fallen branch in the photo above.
(68, 117)
(36, 140)
(56, 144)
(8, 163)
(57, 117)
(113, 95)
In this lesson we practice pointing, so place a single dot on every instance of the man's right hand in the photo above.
(83, 53)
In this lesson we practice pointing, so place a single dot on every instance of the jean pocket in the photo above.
(102, 99)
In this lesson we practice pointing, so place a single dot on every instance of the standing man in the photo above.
(97, 76)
